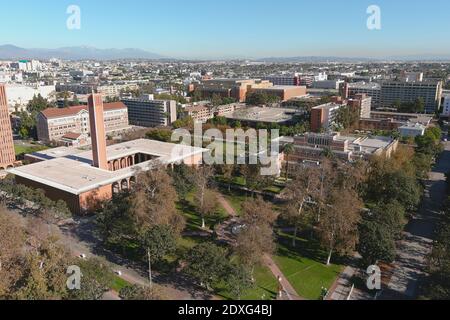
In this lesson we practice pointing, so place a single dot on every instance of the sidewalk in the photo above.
(289, 289)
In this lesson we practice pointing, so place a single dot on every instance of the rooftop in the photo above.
(70, 169)
(259, 114)
(52, 113)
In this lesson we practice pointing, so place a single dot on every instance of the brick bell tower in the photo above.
(7, 153)
(98, 134)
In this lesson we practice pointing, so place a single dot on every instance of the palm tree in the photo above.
(288, 149)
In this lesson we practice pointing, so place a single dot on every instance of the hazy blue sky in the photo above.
(233, 28)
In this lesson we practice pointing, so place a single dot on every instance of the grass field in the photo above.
(194, 220)
(118, 284)
(20, 149)
(265, 288)
(304, 266)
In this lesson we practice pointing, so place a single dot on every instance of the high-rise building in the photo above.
(324, 116)
(7, 153)
(371, 89)
(146, 112)
(409, 92)
(446, 107)
(363, 103)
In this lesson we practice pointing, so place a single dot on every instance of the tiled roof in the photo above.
(71, 111)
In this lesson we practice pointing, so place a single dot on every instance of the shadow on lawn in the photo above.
(305, 248)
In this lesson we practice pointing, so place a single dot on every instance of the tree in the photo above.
(392, 215)
(304, 187)
(182, 177)
(288, 150)
(256, 238)
(202, 179)
(97, 278)
(158, 242)
(253, 178)
(37, 104)
(227, 171)
(153, 201)
(162, 135)
(12, 240)
(208, 206)
(338, 226)
(253, 242)
(239, 280)
(376, 242)
(136, 292)
(207, 263)
(257, 212)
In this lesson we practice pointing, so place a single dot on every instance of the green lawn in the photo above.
(304, 266)
(265, 288)
(20, 149)
(193, 220)
(235, 199)
(119, 283)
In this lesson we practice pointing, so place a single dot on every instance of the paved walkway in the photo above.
(290, 293)
(412, 252)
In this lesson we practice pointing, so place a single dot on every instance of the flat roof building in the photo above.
(409, 92)
(263, 114)
(311, 147)
(147, 112)
(55, 123)
(323, 117)
(85, 178)
(283, 92)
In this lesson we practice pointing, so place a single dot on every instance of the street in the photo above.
(412, 252)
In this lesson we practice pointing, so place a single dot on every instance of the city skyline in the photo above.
(205, 30)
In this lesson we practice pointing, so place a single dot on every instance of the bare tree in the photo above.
(256, 238)
(303, 189)
(202, 178)
(153, 201)
(338, 226)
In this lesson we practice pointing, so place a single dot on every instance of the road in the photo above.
(412, 252)
(82, 240)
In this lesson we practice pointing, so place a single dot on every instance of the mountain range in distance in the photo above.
(12, 52)
(75, 53)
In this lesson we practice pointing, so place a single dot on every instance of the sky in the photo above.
(233, 28)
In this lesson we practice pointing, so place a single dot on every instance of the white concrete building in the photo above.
(412, 130)
(446, 107)
(21, 94)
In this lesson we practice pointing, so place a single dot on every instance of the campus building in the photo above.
(85, 178)
(230, 88)
(409, 92)
(370, 89)
(204, 112)
(7, 153)
(54, 124)
(312, 146)
(283, 92)
(446, 107)
(324, 116)
(147, 112)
